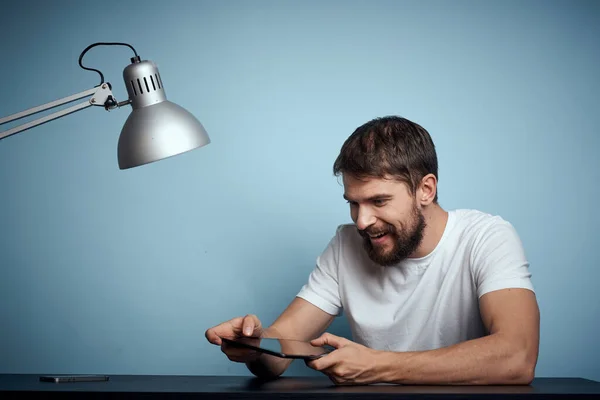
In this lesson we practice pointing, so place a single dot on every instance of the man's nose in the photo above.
(364, 219)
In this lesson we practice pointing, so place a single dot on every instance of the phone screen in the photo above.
(285, 348)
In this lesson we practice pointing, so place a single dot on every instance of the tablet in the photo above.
(284, 348)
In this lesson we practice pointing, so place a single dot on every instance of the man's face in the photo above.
(387, 217)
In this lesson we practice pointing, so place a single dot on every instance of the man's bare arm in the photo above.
(301, 320)
(508, 355)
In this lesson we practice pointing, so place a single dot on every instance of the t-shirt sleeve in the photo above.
(499, 260)
(322, 286)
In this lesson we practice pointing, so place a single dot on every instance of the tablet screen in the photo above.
(285, 348)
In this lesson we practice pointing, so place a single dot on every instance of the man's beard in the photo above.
(406, 241)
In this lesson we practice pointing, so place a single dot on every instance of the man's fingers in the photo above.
(226, 329)
(329, 339)
(325, 362)
(212, 337)
(328, 369)
(239, 354)
(251, 326)
(241, 326)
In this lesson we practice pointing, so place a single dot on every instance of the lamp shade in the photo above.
(158, 131)
(156, 128)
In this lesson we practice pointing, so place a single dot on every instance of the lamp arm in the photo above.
(101, 96)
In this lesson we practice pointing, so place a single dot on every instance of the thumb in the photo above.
(251, 326)
(331, 340)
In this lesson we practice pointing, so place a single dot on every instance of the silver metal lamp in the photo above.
(155, 129)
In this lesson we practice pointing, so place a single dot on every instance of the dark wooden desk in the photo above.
(239, 387)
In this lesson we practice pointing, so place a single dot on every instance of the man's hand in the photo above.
(301, 320)
(248, 326)
(349, 364)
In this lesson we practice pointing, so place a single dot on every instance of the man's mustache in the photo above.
(367, 233)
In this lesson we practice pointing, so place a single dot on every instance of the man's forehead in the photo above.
(367, 186)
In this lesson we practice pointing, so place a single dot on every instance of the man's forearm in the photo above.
(488, 360)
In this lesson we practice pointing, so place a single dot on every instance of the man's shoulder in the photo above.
(345, 229)
(346, 237)
(473, 217)
(346, 232)
(476, 223)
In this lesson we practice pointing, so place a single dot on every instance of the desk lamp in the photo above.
(155, 129)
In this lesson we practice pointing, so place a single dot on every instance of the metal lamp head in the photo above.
(156, 128)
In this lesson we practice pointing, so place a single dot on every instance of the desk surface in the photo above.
(168, 386)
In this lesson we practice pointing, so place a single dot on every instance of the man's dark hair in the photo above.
(391, 146)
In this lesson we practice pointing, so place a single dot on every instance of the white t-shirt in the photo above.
(421, 303)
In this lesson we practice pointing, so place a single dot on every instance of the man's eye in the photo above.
(352, 203)
(379, 202)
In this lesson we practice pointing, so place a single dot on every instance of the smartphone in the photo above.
(73, 378)
(283, 348)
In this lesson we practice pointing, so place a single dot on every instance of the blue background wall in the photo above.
(109, 271)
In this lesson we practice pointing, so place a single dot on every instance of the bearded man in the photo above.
(431, 296)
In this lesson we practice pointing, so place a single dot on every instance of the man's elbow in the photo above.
(521, 370)
(525, 374)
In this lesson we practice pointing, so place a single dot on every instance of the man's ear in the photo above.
(427, 190)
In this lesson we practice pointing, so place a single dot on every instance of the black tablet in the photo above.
(284, 348)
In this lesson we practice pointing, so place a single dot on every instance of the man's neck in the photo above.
(435, 219)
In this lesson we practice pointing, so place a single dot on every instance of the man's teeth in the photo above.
(377, 236)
